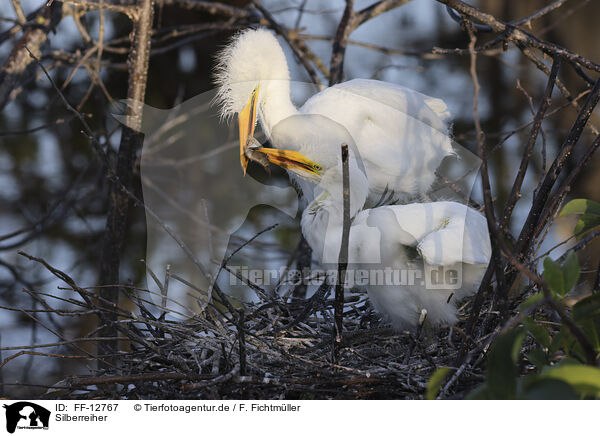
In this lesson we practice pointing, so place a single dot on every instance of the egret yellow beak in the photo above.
(291, 160)
(247, 121)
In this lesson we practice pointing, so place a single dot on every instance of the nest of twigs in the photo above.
(272, 349)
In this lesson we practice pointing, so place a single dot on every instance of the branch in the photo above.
(342, 260)
(17, 69)
(533, 219)
(16, 4)
(539, 13)
(376, 9)
(565, 186)
(496, 236)
(85, 5)
(131, 141)
(588, 349)
(212, 8)
(515, 193)
(516, 34)
(346, 26)
(349, 22)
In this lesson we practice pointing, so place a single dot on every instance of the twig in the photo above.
(345, 27)
(539, 13)
(565, 186)
(16, 4)
(515, 193)
(485, 178)
(342, 260)
(242, 341)
(16, 70)
(533, 218)
(350, 21)
(518, 35)
(237, 250)
(579, 246)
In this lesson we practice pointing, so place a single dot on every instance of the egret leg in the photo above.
(422, 322)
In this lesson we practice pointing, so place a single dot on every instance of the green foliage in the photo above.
(540, 388)
(552, 358)
(581, 206)
(586, 313)
(585, 379)
(557, 376)
(539, 333)
(568, 379)
(590, 215)
(588, 308)
(561, 278)
(435, 383)
(531, 301)
(502, 368)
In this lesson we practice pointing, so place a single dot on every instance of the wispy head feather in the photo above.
(252, 56)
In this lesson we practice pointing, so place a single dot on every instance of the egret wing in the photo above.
(402, 135)
(446, 232)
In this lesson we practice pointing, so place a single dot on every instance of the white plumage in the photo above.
(444, 246)
(397, 138)
(444, 234)
(401, 135)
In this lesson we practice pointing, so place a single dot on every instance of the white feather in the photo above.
(398, 137)
(401, 135)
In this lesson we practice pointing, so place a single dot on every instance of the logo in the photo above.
(26, 415)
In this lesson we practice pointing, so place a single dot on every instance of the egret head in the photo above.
(245, 72)
(313, 152)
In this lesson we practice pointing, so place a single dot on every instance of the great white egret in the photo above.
(445, 238)
(401, 134)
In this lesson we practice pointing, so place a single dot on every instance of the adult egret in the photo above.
(433, 254)
(401, 134)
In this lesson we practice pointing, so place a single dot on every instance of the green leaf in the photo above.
(588, 308)
(539, 333)
(581, 206)
(561, 278)
(564, 340)
(586, 313)
(591, 330)
(590, 215)
(479, 393)
(540, 388)
(585, 379)
(531, 300)
(554, 276)
(537, 357)
(502, 370)
(435, 383)
(558, 340)
(585, 224)
(571, 271)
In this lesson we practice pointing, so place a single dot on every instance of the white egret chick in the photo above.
(425, 255)
(401, 134)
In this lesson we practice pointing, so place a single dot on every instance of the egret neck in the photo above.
(275, 104)
(322, 222)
